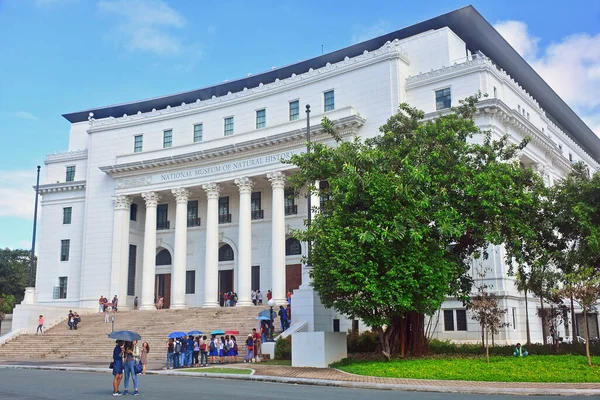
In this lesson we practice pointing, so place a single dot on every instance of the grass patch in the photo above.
(565, 368)
(287, 363)
(237, 371)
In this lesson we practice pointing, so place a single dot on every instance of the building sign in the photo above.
(206, 171)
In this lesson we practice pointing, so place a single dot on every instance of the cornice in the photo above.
(391, 50)
(62, 187)
(66, 156)
(347, 125)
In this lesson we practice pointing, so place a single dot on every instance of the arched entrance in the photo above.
(226, 277)
(162, 285)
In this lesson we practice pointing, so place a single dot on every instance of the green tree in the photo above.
(14, 272)
(7, 303)
(406, 212)
(543, 281)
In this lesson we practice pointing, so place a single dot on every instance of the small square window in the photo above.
(70, 176)
(294, 110)
(65, 246)
(261, 119)
(329, 101)
(167, 138)
(138, 142)
(228, 126)
(443, 99)
(67, 211)
(198, 133)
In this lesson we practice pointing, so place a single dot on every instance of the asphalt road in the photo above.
(38, 385)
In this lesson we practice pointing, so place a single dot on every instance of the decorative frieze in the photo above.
(61, 187)
(63, 156)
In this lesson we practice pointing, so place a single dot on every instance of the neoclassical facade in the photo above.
(184, 196)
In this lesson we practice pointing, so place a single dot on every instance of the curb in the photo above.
(344, 384)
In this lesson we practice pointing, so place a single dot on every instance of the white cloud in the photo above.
(22, 115)
(145, 25)
(362, 33)
(17, 196)
(570, 66)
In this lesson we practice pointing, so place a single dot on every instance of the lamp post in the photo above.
(29, 297)
(271, 304)
(309, 205)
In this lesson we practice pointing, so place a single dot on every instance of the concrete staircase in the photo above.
(90, 339)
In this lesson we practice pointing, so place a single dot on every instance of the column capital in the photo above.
(182, 195)
(151, 198)
(244, 184)
(212, 190)
(277, 179)
(122, 202)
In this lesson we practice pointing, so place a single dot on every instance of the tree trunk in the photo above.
(384, 342)
(573, 320)
(543, 321)
(487, 349)
(527, 319)
(587, 337)
(403, 337)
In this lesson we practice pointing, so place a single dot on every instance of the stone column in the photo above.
(211, 264)
(178, 279)
(278, 238)
(244, 264)
(149, 267)
(120, 250)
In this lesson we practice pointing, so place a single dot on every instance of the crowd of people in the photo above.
(129, 360)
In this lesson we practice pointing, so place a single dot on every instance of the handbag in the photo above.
(111, 365)
(137, 368)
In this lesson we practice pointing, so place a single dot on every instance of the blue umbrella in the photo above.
(263, 318)
(177, 334)
(218, 332)
(265, 313)
(195, 333)
(128, 336)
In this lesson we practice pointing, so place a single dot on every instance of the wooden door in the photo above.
(293, 277)
(162, 288)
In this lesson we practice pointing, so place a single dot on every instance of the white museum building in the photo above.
(184, 196)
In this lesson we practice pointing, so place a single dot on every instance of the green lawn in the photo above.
(564, 368)
(238, 371)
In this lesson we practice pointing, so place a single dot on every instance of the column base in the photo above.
(244, 303)
(178, 306)
(280, 302)
(147, 307)
(29, 297)
(211, 304)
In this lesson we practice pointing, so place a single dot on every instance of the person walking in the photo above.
(40, 327)
(144, 356)
(249, 349)
(203, 352)
(117, 367)
(282, 318)
(129, 368)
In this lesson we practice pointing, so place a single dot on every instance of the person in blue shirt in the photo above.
(189, 351)
(117, 367)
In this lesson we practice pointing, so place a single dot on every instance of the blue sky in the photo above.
(59, 56)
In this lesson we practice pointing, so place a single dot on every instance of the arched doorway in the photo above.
(162, 285)
(226, 277)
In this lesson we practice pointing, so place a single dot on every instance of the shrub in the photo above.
(283, 348)
(365, 342)
(446, 347)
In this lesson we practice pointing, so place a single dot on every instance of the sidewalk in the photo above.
(333, 377)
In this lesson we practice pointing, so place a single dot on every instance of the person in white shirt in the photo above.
(254, 297)
(259, 296)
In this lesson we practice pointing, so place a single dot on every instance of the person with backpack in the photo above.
(282, 318)
(214, 349)
(222, 344)
(203, 352)
(249, 349)
(234, 349)
(177, 353)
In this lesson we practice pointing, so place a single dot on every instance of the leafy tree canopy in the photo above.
(14, 272)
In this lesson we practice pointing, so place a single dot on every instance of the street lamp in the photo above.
(309, 205)
(271, 304)
(32, 261)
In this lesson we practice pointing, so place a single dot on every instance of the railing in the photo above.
(257, 214)
(193, 222)
(163, 225)
(291, 210)
(224, 218)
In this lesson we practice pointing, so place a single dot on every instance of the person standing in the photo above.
(106, 314)
(196, 353)
(203, 352)
(177, 353)
(170, 354)
(40, 327)
(144, 356)
(101, 304)
(135, 303)
(129, 368)
(282, 318)
(214, 349)
(249, 349)
(253, 296)
(256, 338)
(269, 295)
(117, 367)
(289, 297)
(259, 296)
(189, 351)
(115, 303)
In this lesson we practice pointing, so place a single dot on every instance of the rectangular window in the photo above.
(138, 142)
(570, 157)
(133, 212)
(167, 138)
(198, 133)
(162, 216)
(336, 325)
(519, 108)
(514, 318)
(190, 282)
(62, 287)
(255, 206)
(355, 326)
(131, 270)
(228, 126)
(255, 277)
(527, 115)
(323, 197)
(448, 320)
(495, 92)
(192, 213)
(65, 246)
(70, 173)
(261, 119)
(224, 216)
(329, 101)
(461, 320)
(289, 199)
(443, 99)
(67, 211)
(294, 110)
